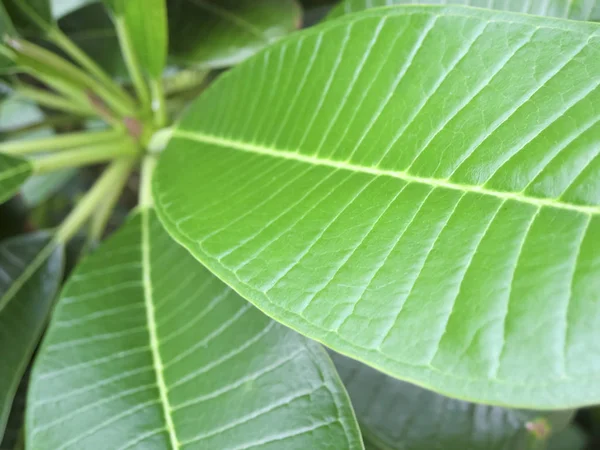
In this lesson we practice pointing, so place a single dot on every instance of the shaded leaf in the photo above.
(216, 34)
(14, 171)
(148, 349)
(571, 438)
(566, 9)
(6, 28)
(93, 31)
(398, 415)
(29, 16)
(23, 318)
(415, 187)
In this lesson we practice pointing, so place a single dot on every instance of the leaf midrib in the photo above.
(152, 329)
(434, 182)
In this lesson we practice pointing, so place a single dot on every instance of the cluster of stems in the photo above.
(79, 89)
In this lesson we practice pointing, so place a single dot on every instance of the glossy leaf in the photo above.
(217, 33)
(398, 415)
(23, 318)
(415, 187)
(566, 9)
(146, 21)
(14, 171)
(147, 349)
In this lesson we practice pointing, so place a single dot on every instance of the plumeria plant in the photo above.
(380, 229)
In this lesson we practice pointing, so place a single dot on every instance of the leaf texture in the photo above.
(565, 9)
(22, 320)
(216, 34)
(14, 171)
(415, 187)
(398, 415)
(148, 350)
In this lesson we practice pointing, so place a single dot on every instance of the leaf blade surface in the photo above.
(145, 336)
(391, 197)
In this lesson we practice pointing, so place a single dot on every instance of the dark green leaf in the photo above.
(214, 34)
(23, 318)
(14, 171)
(93, 31)
(571, 438)
(30, 16)
(398, 415)
(416, 187)
(568, 9)
(147, 349)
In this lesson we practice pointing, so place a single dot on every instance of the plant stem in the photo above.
(43, 61)
(53, 101)
(148, 166)
(159, 106)
(60, 142)
(131, 61)
(115, 174)
(92, 154)
(63, 41)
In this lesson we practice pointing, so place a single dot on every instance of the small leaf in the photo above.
(147, 349)
(415, 187)
(22, 319)
(398, 415)
(14, 171)
(566, 9)
(216, 34)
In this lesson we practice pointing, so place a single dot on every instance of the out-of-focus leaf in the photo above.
(6, 28)
(14, 171)
(61, 8)
(93, 31)
(571, 438)
(148, 349)
(397, 415)
(221, 33)
(30, 276)
(30, 16)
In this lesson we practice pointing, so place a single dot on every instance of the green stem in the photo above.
(104, 210)
(43, 61)
(53, 101)
(159, 105)
(60, 142)
(131, 61)
(115, 174)
(75, 94)
(64, 42)
(148, 166)
(85, 156)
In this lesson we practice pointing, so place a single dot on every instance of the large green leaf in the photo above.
(398, 415)
(214, 34)
(148, 349)
(14, 171)
(24, 317)
(416, 187)
(567, 9)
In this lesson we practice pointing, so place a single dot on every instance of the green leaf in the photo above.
(23, 318)
(571, 438)
(148, 349)
(93, 31)
(398, 415)
(146, 21)
(216, 34)
(30, 16)
(566, 9)
(415, 187)
(14, 171)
